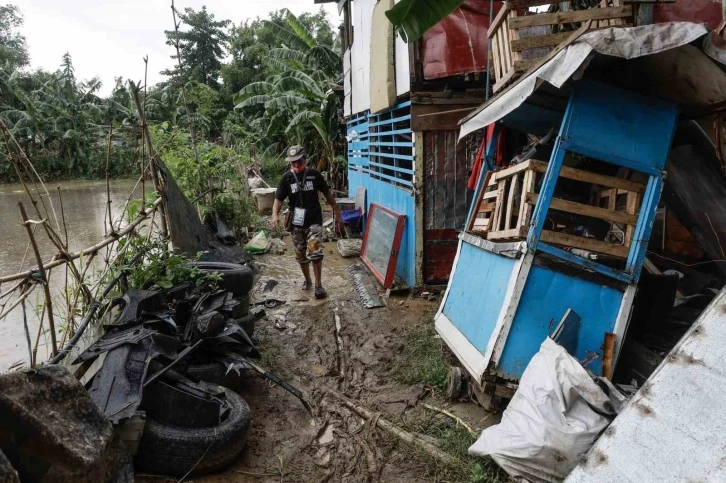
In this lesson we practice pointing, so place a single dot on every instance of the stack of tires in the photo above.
(177, 443)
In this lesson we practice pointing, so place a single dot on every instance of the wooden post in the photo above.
(607, 355)
(154, 165)
(44, 279)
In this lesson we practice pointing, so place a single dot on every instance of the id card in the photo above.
(298, 217)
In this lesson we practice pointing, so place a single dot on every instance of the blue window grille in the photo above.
(382, 145)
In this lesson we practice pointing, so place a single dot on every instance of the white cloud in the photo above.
(110, 38)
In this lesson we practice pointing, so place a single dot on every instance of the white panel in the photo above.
(674, 428)
(382, 71)
(403, 71)
(347, 86)
(360, 54)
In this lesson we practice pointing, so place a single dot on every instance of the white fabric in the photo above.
(627, 43)
(551, 422)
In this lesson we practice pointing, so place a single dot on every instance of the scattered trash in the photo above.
(349, 247)
(277, 246)
(554, 418)
(259, 244)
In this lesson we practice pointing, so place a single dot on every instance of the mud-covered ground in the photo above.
(298, 340)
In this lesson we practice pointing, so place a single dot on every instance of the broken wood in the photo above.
(339, 346)
(43, 277)
(607, 355)
(570, 17)
(368, 415)
(456, 418)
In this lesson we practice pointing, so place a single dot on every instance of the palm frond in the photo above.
(287, 37)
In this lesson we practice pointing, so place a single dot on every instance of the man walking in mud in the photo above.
(301, 185)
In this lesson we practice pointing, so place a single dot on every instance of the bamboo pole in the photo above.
(108, 182)
(153, 164)
(393, 429)
(44, 280)
(88, 251)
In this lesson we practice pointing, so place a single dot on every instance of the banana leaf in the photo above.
(412, 18)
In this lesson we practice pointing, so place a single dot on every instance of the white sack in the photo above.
(556, 415)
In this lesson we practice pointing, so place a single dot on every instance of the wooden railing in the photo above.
(506, 205)
(515, 50)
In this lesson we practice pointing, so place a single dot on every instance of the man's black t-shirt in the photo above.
(290, 187)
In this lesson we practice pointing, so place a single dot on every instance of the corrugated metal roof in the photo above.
(674, 428)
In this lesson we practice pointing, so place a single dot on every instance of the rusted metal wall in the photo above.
(698, 11)
(458, 44)
(446, 199)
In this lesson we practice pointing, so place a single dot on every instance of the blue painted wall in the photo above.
(546, 297)
(399, 200)
(477, 293)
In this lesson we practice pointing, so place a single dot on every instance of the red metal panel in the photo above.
(698, 11)
(386, 279)
(458, 44)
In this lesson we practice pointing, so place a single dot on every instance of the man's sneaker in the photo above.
(320, 292)
(307, 285)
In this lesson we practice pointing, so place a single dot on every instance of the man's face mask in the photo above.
(297, 166)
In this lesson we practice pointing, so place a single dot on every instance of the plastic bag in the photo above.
(259, 244)
(556, 415)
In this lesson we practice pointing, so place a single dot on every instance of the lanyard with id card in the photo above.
(298, 215)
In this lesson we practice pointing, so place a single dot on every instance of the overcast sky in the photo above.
(109, 38)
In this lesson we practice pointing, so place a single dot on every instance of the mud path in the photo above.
(298, 340)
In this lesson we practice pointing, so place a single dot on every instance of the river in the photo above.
(84, 204)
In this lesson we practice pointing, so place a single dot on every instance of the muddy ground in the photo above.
(298, 341)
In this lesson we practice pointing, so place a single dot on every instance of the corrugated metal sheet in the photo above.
(674, 428)
(697, 11)
(446, 199)
(458, 44)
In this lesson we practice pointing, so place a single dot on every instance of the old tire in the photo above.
(174, 451)
(237, 279)
(215, 373)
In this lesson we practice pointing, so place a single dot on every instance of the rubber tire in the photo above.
(237, 279)
(216, 373)
(173, 451)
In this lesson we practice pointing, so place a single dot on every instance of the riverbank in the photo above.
(298, 340)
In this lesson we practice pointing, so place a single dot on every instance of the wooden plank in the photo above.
(504, 80)
(594, 178)
(570, 17)
(500, 206)
(523, 221)
(551, 40)
(526, 64)
(469, 97)
(507, 46)
(498, 20)
(510, 201)
(513, 36)
(502, 52)
(495, 58)
(486, 207)
(632, 201)
(599, 246)
(506, 234)
(433, 117)
(507, 172)
(616, 21)
(587, 210)
(489, 195)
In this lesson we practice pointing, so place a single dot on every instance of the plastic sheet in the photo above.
(259, 244)
(554, 418)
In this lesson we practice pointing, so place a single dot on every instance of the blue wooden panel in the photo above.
(397, 199)
(546, 297)
(620, 124)
(477, 293)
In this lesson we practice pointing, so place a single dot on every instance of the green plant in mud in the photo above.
(452, 439)
(424, 358)
(160, 267)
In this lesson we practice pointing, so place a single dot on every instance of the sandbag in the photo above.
(556, 415)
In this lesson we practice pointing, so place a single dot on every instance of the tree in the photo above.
(202, 46)
(13, 48)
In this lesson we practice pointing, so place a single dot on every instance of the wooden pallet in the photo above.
(514, 52)
(505, 207)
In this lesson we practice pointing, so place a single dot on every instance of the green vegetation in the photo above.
(452, 439)
(279, 86)
(424, 358)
